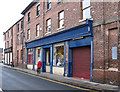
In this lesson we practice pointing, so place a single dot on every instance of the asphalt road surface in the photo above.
(13, 80)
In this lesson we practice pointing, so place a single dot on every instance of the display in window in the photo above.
(58, 56)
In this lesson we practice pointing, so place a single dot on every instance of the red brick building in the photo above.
(62, 36)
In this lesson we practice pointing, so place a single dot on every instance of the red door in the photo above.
(82, 62)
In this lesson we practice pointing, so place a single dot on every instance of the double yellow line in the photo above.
(79, 88)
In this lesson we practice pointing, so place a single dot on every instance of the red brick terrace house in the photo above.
(74, 39)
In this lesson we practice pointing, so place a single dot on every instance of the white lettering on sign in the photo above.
(114, 52)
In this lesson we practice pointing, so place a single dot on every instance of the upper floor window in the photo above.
(61, 19)
(22, 24)
(8, 34)
(8, 44)
(48, 4)
(29, 17)
(12, 32)
(86, 9)
(28, 34)
(37, 30)
(11, 42)
(18, 27)
(18, 39)
(38, 10)
(5, 36)
(48, 25)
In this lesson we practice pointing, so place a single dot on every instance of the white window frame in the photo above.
(28, 34)
(37, 30)
(48, 25)
(61, 19)
(86, 9)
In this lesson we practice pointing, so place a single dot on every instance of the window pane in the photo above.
(37, 27)
(85, 3)
(49, 22)
(61, 23)
(62, 15)
(58, 56)
(86, 13)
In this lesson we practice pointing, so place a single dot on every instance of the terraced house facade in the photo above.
(73, 39)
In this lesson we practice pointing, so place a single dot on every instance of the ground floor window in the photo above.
(30, 56)
(38, 54)
(58, 55)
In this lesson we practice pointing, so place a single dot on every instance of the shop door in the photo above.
(81, 62)
(47, 59)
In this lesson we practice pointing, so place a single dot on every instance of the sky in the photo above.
(10, 13)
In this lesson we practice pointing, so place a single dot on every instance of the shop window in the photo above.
(30, 56)
(86, 9)
(38, 55)
(58, 56)
(61, 19)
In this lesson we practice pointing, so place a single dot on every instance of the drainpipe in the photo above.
(43, 17)
(118, 24)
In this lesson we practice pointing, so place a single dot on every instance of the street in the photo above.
(19, 81)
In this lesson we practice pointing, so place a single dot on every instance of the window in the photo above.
(38, 54)
(38, 10)
(48, 25)
(61, 19)
(28, 34)
(11, 42)
(5, 36)
(5, 46)
(48, 4)
(18, 39)
(18, 28)
(29, 17)
(8, 34)
(12, 32)
(30, 56)
(21, 54)
(86, 9)
(21, 38)
(37, 30)
(58, 59)
(22, 24)
(8, 44)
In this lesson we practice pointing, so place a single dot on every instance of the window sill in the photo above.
(37, 16)
(28, 22)
(48, 10)
(37, 37)
(28, 40)
(47, 33)
(90, 18)
(60, 28)
(59, 1)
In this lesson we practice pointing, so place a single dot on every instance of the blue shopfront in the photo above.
(68, 53)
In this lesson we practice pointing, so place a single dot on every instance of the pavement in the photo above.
(73, 81)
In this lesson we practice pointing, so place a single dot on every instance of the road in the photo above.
(19, 81)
